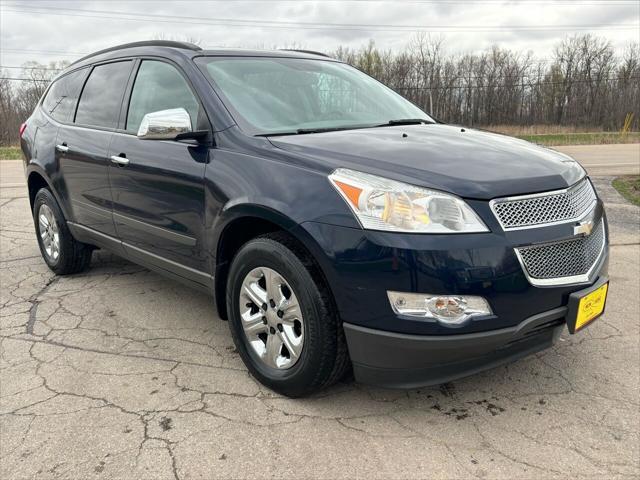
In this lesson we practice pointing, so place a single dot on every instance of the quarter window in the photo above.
(160, 86)
(102, 95)
(60, 101)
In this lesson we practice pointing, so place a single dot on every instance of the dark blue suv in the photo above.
(337, 225)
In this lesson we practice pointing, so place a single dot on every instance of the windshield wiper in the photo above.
(303, 131)
(406, 121)
(275, 134)
(390, 123)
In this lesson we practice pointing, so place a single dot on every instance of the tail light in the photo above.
(23, 127)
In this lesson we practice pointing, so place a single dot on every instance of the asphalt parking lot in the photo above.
(121, 373)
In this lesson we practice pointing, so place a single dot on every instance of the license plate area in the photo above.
(587, 305)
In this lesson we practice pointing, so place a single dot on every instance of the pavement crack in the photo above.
(34, 300)
(37, 339)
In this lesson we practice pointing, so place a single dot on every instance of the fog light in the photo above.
(448, 309)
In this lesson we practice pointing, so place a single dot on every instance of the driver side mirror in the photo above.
(172, 124)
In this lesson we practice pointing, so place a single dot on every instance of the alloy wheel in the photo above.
(271, 318)
(49, 232)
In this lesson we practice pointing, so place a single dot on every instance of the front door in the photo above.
(158, 193)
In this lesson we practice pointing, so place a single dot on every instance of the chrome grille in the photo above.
(567, 261)
(544, 208)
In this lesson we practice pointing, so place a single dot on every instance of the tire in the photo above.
(61, 252)
(323, 359)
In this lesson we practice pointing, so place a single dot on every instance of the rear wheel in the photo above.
(61, 252)
(282, 318)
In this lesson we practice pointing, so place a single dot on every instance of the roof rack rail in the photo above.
(146, 43)
(311, 52)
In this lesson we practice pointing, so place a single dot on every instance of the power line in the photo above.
(442, 87)
(512, 85)
(298, 24)
(24, 79)
(445, 79)
(450, 2)
(276, 24)
(53, 52)
(440, 78)
(21, 51)
(31, 68)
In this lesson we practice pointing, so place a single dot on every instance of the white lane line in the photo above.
(11, 185)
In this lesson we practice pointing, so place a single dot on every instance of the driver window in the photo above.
(159, 86)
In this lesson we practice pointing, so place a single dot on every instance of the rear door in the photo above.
(58, 104)
(83, 146)
(158, 196)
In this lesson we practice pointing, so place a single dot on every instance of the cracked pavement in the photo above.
(121, 373)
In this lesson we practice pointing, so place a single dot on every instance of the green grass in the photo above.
(10, 153)
(629, 188)
(597, 138)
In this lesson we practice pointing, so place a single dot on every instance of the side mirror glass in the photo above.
(170, 124)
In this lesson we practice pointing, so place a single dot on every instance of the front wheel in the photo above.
(282, 318)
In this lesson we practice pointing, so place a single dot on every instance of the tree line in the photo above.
(584, 83)
(18, 98)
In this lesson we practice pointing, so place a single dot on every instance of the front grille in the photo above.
(539, 209)
(567, 261)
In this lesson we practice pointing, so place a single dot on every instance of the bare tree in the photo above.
(583, 84)
(20, 94)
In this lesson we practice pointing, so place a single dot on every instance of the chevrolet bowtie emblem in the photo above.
(583, 228)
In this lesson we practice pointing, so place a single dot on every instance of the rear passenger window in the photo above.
(62, 97)
(159, 86)
(102, 95)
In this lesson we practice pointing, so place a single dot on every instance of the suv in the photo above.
(336, 224)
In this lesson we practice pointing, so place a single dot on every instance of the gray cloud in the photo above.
(69, 33)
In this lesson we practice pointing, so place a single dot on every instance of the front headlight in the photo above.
(383, 204)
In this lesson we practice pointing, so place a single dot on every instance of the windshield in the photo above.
(270, 95)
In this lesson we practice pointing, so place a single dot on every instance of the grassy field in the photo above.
(537, 129)
(596, 138)
(629, 188)
(10, 153)
(552, 135)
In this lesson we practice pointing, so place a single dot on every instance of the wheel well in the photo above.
(233, 237)
(35, 183)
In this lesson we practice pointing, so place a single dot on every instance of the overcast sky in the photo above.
(45, 30)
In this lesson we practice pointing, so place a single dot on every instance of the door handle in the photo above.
(62, 148)
(118, 160)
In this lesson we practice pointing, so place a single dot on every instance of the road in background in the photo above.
(620, 159)
(11, 173)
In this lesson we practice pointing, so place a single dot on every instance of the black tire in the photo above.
(324, 358)
(73, 256)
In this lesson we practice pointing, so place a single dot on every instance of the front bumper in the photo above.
(394, 350)
(396, 360)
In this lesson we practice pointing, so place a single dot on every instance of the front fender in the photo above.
(270, 211)
(257, 219)
(270, 187)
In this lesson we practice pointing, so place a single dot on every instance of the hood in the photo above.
(466, 162)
